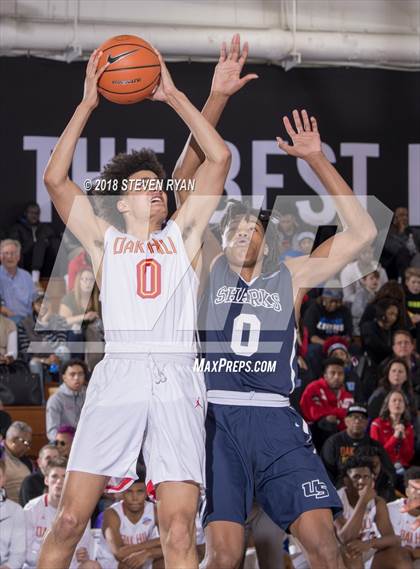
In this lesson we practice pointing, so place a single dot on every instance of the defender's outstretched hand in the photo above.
(227, 78)
(305, 138)
(166, 85)
(90, 93)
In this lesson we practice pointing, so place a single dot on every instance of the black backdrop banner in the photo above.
(369, 122)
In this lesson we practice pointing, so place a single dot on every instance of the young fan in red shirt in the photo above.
(394, 430)
(325, 401)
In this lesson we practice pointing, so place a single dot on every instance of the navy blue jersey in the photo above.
(248, 331)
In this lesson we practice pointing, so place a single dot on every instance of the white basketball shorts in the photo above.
(150, 401)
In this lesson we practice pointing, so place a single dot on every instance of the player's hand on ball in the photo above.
(90, 93)
(166, 86)
(305, 136)
(227, 78)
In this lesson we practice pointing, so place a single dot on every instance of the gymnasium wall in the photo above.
(369, 120)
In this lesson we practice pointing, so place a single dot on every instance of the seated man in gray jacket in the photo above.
(65, 406)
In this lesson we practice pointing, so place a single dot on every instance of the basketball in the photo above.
(134, 70)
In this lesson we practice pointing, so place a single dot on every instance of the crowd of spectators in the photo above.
(358, 384)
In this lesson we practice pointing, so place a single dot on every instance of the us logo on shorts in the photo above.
(315, 489)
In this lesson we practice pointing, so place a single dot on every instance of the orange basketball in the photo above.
(134, 70)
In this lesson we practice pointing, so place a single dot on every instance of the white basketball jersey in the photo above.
(144, 530)
(402, 522)
(39, 517)
(369, 528)
(148, 293)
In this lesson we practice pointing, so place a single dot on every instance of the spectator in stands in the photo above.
(8, 340)
(402, 521)
(324, 402)
(306, 242)
(399, 246)
(365, 293)
(65, 405)
(403, 348)
(130, 528)
(352, 274)
(383, 470)
(364, 526)
(39, 516)
(338, 347)
(324, 318)
(340, 447)
(38, 240)
(17, 290)
(5, 421)
(377, 334)
(49, 331)
(393, 429)
(412, 294)
(81, 305)
(81, 309)
(396, 377)
(64, 439)
(288, 228)
(412, 298)
(390, 291)
(16, 444)
(34, 484)
(12, 534)
(79, 262)
(415, 261)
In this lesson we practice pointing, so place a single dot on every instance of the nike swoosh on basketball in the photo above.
(112, 59)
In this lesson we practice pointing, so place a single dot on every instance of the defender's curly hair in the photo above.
(120, 168)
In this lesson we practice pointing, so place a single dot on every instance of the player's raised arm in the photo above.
(226, 82)
(83, 223)
(360, 230)
(211, 175)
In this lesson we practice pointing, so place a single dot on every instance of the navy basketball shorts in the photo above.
(264, 452)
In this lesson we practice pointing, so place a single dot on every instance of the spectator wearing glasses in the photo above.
(64, 439)
(17, 289)
(16, 444)
(34, 485)
(65, 406)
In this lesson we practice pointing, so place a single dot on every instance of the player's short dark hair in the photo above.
(332, 362)
(236, 208)
(75, 362)
(356, 461)
(59, 462)
(412, 473)
(120, 168)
